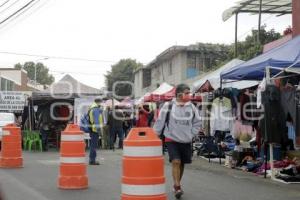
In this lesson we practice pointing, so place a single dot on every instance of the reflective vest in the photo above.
(96, 127)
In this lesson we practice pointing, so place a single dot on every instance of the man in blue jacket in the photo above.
(96, 121)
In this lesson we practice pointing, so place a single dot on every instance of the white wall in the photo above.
(14, 75)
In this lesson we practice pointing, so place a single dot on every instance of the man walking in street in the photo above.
(96, 121)
(179, 122)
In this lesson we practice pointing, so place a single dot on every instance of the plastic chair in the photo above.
(26, 139)
(33, 139)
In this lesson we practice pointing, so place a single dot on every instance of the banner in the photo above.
(12, 101)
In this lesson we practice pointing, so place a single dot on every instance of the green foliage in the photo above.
(251, 47)
(122, 71)
(42, 72)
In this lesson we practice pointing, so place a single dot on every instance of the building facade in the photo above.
(177, 64)
(17, 80)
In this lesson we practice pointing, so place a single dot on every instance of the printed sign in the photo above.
(12, 101)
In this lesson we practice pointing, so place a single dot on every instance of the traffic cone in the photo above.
(73, 173)
(143, 166)
(11, 150)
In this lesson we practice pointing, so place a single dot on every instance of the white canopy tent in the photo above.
(214, 78)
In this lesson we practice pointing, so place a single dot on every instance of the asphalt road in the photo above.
(202, 180)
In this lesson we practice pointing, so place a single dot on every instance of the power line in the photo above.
(16, 12)
(57, 57)
(24, 11)
(4, 3)
(81, 73)
(265, 20)
(2, 11)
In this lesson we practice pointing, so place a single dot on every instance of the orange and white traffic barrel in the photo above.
(11, 149)
(73, 167)
(143, 166)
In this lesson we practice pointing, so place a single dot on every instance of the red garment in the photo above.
(168, 140)
(143, 119)
(64, 111)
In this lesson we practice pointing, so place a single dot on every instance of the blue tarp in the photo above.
(254, 69)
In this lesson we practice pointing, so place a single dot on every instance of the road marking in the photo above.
(17, 184)
(49, 162)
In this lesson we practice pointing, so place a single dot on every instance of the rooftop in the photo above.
(174, 50)
(280, 7)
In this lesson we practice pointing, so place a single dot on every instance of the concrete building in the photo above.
(177, 64)
(17, 80)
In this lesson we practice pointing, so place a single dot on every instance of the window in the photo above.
(3, 84)
(207, 63)
(200, 64)
(157, 73)
(192, 69)
(170, 68)
(10, 85)
(146, 78)
(191, 60)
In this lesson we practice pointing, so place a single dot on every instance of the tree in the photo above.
(42, 72)
(251, 47)
(122, 71)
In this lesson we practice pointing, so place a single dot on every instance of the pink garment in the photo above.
(277, 165)
(156, 113)
(239, 129)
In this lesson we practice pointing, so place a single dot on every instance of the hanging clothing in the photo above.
(288, 103)
(261, 88)
(291, 132)
(221, 115)
(243, 132)
(273, 123)
(204, 114)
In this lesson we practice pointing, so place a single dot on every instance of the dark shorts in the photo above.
(180, 151)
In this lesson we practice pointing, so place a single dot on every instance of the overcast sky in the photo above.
(109, 30)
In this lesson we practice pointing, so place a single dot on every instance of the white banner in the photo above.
(12, 101)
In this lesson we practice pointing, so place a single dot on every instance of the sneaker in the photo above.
(94, 163)
(178, 192)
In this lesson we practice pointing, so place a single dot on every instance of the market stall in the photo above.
(211, 81)
(158, 93)
(53, 107)
(278, 125)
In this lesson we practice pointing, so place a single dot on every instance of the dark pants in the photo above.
(44, 136)
(127, 130)
(93, 146)
(116, 132)
(180, 151)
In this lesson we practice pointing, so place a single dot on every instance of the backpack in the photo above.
(167, 118)
(85, 122)
(162, 136)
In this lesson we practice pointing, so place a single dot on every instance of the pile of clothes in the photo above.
(290, 173)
